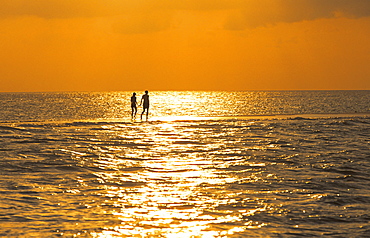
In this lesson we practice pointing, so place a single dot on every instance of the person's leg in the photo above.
(141, 116)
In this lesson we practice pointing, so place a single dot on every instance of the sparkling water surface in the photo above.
(205, 164)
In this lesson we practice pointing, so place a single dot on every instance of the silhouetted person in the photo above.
(145, 103)
(133, 105)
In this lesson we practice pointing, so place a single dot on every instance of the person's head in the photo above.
(134, 94)
(146, 91)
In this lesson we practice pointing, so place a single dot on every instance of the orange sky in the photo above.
(122, 45)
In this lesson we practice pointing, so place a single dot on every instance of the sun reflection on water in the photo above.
(168, 186)
(174, 176)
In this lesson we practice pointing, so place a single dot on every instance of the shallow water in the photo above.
(97, 173)
(116, 105)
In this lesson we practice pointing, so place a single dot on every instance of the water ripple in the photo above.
(231, 178)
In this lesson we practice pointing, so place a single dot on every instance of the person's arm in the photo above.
(141, 101)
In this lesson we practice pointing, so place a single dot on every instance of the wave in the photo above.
(40, 124)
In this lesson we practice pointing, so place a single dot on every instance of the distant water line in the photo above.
(116, 105)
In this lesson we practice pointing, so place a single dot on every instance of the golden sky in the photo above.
(123, 45)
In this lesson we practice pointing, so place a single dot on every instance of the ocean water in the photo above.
(204, 164)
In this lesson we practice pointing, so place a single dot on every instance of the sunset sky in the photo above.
(123, 45)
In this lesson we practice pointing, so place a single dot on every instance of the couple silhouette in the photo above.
(144, 101)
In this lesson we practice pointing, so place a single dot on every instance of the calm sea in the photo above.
(204, 164)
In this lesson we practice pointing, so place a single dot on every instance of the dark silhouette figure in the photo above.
(133, 105)
(145, 103)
